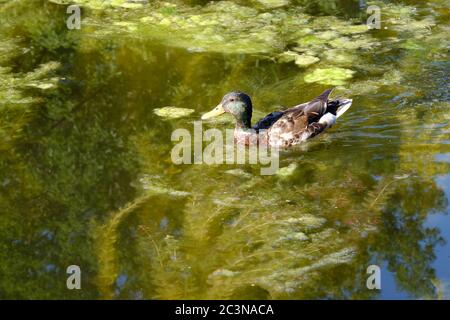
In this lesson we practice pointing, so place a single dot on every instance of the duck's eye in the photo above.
(231, 99)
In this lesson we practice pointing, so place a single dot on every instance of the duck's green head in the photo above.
(238, 104)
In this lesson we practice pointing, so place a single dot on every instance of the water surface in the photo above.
(86, 176)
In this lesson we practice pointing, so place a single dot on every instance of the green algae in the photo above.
(287, 56)
(412, 45)
(295, 236)
(154, 185)
(310, 41)
(301, 60)
(173, 112)
(16, 105)
(222, 273)
(308, 222)
(271, 4)
(351, 29)
(305, 60)
(340, 57)
(223, 26)
(238, 173)
(329, 76)
(354, 43)
(287, 171)
(327, 35)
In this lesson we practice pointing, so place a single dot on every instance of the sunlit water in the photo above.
(86, 176)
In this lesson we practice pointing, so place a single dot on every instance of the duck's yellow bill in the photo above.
(214, 112)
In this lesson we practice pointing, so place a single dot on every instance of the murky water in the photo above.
(86, 176)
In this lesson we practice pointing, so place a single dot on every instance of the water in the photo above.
(86, 176)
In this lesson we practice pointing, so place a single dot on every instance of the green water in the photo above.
(86, 176)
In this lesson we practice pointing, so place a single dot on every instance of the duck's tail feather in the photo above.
(324, 95)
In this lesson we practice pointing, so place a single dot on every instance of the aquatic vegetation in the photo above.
(238, 173)
(15, 102)
(106, 242)
(172, 112)
(287, 171)
(287, 56)
(302, 60)
(220, 26)
(329, 76)
(351, 29)
(353, 43)
(153, 185)
(412, 45)
(305, 60)
(340, 57)
(275, 238)
(270, 4)
(311, 41)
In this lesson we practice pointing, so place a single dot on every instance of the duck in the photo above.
(284, 128)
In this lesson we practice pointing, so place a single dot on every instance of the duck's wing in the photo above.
(268, 120)
(300, 122)
(313, 109)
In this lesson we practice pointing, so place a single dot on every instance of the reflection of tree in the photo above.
(259, 250)
(404, 242)
(56, 188)
(66, 171)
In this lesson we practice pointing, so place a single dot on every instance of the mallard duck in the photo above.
(281, 128)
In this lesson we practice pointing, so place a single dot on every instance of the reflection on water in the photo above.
(86, 176)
